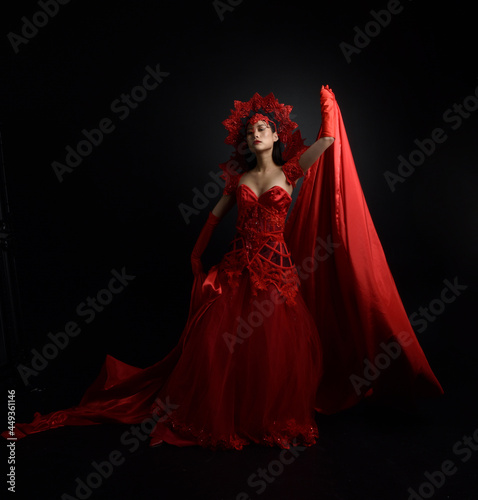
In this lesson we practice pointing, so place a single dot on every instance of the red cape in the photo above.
(370, 346)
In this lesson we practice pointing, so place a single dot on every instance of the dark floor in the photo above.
(363, 453)
(367, 452)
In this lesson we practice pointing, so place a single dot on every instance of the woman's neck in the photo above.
(265, 163)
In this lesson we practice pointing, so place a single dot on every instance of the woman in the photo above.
(256, 380)
(268, 342)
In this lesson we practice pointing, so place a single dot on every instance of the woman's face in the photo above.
(260, 136)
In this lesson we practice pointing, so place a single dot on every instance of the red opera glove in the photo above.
(327, 109)
(202, 242)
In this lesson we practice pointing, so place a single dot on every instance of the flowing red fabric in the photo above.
(370, 346)
(248, 362)
(267, 343)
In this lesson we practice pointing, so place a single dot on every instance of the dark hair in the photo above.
(276, 153)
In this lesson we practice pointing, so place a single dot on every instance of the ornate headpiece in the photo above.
(270, 110)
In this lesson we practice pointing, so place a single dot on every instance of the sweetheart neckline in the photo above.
(266, 191)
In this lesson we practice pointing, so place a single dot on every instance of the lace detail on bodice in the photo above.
(259, 245)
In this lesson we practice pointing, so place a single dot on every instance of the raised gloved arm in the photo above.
(327, 131)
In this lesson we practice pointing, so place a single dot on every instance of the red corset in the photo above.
(259, 247)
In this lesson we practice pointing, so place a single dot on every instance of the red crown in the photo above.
(268, 106)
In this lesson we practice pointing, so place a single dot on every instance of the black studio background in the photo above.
(120, 207)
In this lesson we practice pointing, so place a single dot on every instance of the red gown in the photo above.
(273, 334)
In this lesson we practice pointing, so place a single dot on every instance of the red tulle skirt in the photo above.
(245, 370)
(248, 372)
